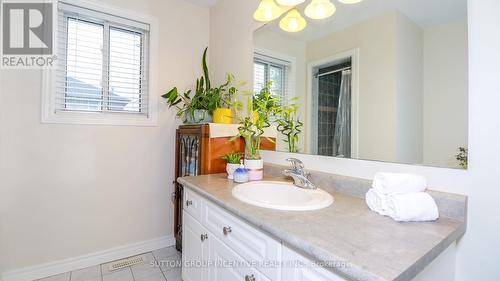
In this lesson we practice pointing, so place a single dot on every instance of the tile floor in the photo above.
(167, 269)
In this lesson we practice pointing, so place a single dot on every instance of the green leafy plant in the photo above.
(265, 105)
(204, 96)
(224, 96)
(289, 125)
(462, 157)
(232, 157)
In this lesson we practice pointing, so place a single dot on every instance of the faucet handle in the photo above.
(296, 163)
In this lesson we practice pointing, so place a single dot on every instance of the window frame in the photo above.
(121, 18)
(286, 64)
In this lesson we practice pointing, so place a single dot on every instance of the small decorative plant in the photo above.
(462, 157)
(232, 157)
(289, 125)
(233, 161)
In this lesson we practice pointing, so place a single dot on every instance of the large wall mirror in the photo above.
(383, 80)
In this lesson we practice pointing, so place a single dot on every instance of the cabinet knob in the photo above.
(204, 237)
(226, 230)
(189, 203)
(249, 277)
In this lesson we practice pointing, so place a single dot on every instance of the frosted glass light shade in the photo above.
(267, 11)
(350, 1)
(289, 3)
(320, 9)
(293, 22)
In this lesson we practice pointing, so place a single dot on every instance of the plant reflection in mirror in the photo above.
(289, 125)
(264, 105)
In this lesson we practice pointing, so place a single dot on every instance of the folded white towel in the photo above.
(376, 202)
(398, 183)
(417, 206)
(412, 207)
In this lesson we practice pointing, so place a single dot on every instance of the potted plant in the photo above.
(289, 125)
(233, 162)
(197, 108)
(223, 99)
(261, 107)
(206, 101)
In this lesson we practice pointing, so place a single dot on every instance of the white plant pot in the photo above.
(255, 169)
(230, 168)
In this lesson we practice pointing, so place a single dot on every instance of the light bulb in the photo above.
(293, 22)
(320, 9)
(350, 1)
(267, 11)
(289, 3)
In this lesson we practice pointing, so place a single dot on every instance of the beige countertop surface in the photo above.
(373, 247)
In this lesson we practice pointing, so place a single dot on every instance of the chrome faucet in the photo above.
(300, 177)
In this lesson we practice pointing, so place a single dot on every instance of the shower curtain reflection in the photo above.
(342, 135)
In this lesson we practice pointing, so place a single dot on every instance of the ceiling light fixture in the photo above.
(289, 3)
(267, 11)
(350, 1)
(320, 9)
(293, 22)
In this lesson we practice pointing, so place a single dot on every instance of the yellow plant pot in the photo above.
(223, 116)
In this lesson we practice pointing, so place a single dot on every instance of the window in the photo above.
(271, 69)
(103, 69)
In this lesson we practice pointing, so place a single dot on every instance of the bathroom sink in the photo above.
(282, 196)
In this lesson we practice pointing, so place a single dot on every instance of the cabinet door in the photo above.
(306, 271)
(248, 242)
(195, 248)
(226, 265)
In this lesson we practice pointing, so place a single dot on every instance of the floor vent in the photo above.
(119, 264)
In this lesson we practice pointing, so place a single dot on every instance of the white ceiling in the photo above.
(203, 3)
(425, 13)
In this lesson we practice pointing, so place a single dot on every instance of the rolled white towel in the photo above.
(398, 183)
(412, 207)
(376, 202)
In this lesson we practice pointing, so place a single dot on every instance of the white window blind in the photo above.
(271, 69)
(103, 63)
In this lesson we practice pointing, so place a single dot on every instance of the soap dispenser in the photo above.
(241, 174)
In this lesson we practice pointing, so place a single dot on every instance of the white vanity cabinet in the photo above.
(307, 271)
(195, 249)
(218, 246)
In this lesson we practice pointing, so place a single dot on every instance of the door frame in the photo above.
(312, 85)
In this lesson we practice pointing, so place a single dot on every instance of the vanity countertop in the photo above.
(374, 247)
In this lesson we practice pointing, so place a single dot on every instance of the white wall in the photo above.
(409, 91)
(69, 190)
(445, 92)
(478, 251)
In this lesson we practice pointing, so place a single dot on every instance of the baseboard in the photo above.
(70, 264)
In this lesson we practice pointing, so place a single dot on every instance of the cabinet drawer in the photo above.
(306, 272)
(227, 265)
(192, 204)
(250, 243)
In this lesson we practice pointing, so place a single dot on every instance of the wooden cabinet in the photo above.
(198, 152)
